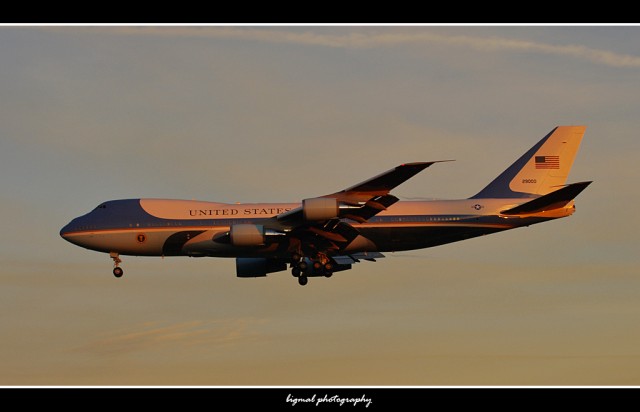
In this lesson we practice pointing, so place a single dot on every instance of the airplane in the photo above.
(323, 235)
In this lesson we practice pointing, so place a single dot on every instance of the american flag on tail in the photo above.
(547, 162)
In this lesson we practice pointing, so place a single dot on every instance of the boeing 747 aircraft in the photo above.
(327, 234)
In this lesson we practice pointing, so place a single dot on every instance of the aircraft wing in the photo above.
(363, 200)
(358, 203)
(382, 184)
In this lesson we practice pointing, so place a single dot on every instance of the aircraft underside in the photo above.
(317, 262)
(315, 259)
(378, 240)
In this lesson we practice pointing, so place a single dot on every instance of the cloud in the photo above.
(185, 334)
(368, 40)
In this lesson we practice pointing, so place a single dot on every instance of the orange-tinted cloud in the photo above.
(184, 334)
(390, 38)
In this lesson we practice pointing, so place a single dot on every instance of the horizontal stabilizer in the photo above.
(550, 201)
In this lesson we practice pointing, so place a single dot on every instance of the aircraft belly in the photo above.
(388, 239)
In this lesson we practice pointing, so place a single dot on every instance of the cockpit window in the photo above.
(102, 206)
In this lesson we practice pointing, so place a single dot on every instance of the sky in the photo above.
(283, 113)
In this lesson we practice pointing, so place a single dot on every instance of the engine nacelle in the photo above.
(247, 235)
(320, 208)
(258, 267)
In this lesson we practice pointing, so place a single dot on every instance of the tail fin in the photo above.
(541, 170)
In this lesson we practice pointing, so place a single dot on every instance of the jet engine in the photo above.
(320, 208)
(247, 234)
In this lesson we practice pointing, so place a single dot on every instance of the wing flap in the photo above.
(371, 256)
(369, 209)
(332, 236)
(357, 257)
(343, 260)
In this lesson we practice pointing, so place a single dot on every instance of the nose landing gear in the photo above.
(117, 270)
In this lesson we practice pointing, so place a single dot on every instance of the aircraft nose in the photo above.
(65, 230)
(68, 229)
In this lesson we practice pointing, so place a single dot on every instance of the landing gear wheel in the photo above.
(302, 280)
(328, 269)
(295, 272)
(117, 270)
(317, 267)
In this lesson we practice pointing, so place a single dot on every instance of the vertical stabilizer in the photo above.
(541, 170)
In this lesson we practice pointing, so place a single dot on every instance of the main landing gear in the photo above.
(117, 270)
(303, 268)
